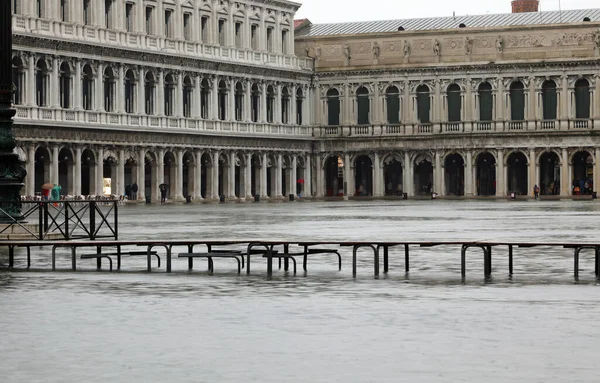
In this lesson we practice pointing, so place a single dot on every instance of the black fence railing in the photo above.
(63, 220)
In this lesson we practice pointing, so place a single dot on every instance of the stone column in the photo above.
(30, 183)
(120, 90)
(263, 103)
(231, 101)
(292, 112)
(248, 177)
(141, 91)
(377, 177)
(565, 180)
(231, 176)
(77, 176)
(277, 106)
(307, 193)
(54, 169)
(349, 186)
(597, 170)
(532, 171)
(469, 189)
(346, 106)
(141, 174)
(178, 97)
(499, 115)
(438, 174)
(278, 180)
(531, 110)
(214, 100)
(179, 185)
(406, 175)
(292, 189)
(320, 178)
(99, 88)
(500, 179)
(198, 176)
(263, 177)
(160, 99)
(215, 176)
(30, 94)
(247, 115)
(76, 81)
(53, 89)
(100, 171)
(121, 172)
(564, 101)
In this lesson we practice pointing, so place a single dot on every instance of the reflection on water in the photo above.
(322, 326)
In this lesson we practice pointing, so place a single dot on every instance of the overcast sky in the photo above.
(333, 11)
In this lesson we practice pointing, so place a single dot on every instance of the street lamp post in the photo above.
(12, 171)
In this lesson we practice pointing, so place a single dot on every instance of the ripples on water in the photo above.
(323, 326)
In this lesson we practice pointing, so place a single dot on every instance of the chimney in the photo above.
(521, 6)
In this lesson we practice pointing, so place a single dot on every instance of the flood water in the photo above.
(323, 325)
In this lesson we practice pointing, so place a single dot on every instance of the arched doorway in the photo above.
(42, 168)
(150, 176)
(65, 171)
(170, 173)
(188, 188)
(130, 176)
(271, 175)
(334, 176)
(423, 177)
(517, 173)
(583, 172)
(454, 174)
(363, 181)
(392, 174)
(206, 166)
(109, 174)
(88, 172)
(549, 182)
(486, 174)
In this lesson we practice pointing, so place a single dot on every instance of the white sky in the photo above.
(333, 11)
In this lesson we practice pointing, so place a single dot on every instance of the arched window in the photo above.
(204, 97)
(188, 91)
(270, 103)
(549, 100)
(299, 103)
(363, 107)
(582, 99)
(222, 100)
(149, 91)
(18, 79)
(87, 88)
(486, 102)
(41, 83)
(65, 78)
(255, 101)
(129, 92)
(239, 101)
(423, 104)
(285, 105)
(392, 98)
(517, 101)
(454, 103)
(333, 107)
(109, 90)
(169, 94)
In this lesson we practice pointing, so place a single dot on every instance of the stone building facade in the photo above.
(225, 98)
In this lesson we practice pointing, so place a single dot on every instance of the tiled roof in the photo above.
(300, 22)
(434, 23)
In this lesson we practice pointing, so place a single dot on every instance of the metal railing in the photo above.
(63, 220)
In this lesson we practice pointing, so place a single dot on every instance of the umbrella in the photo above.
(300, 181)
(163, 186)
(48, 186)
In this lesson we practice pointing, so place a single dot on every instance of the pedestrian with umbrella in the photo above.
(163, 193)
(46, 188)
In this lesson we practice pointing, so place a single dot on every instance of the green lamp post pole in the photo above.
(12, 172)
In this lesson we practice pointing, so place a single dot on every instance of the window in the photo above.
(87, 87)
(517, 101)
(299, 104)
(149, 23)
(486, 102)
(285, 105)
(109, 90)
(363, 108)
(423, 104)
(149, 89)
(16, 7)
(187, 26)
(129, 17)
(255, 101)
(204, 29)
(392, 98)
(65, 86)
(222, 99)
(333, 107)
(204, 97)
(168, 23)
(169, 94)
(222, 32)
(239, 102)
(18, 79)
(39, 8)
(129, 92)
(284, 42)
(270, 103)
(108, 16)
(187, 97)
(549, 100)
(270, 39)
(582, 99)
(238, 35)
(41, 83)
(87, 12)
(454, 103)
(254, 37)
(64, 10)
